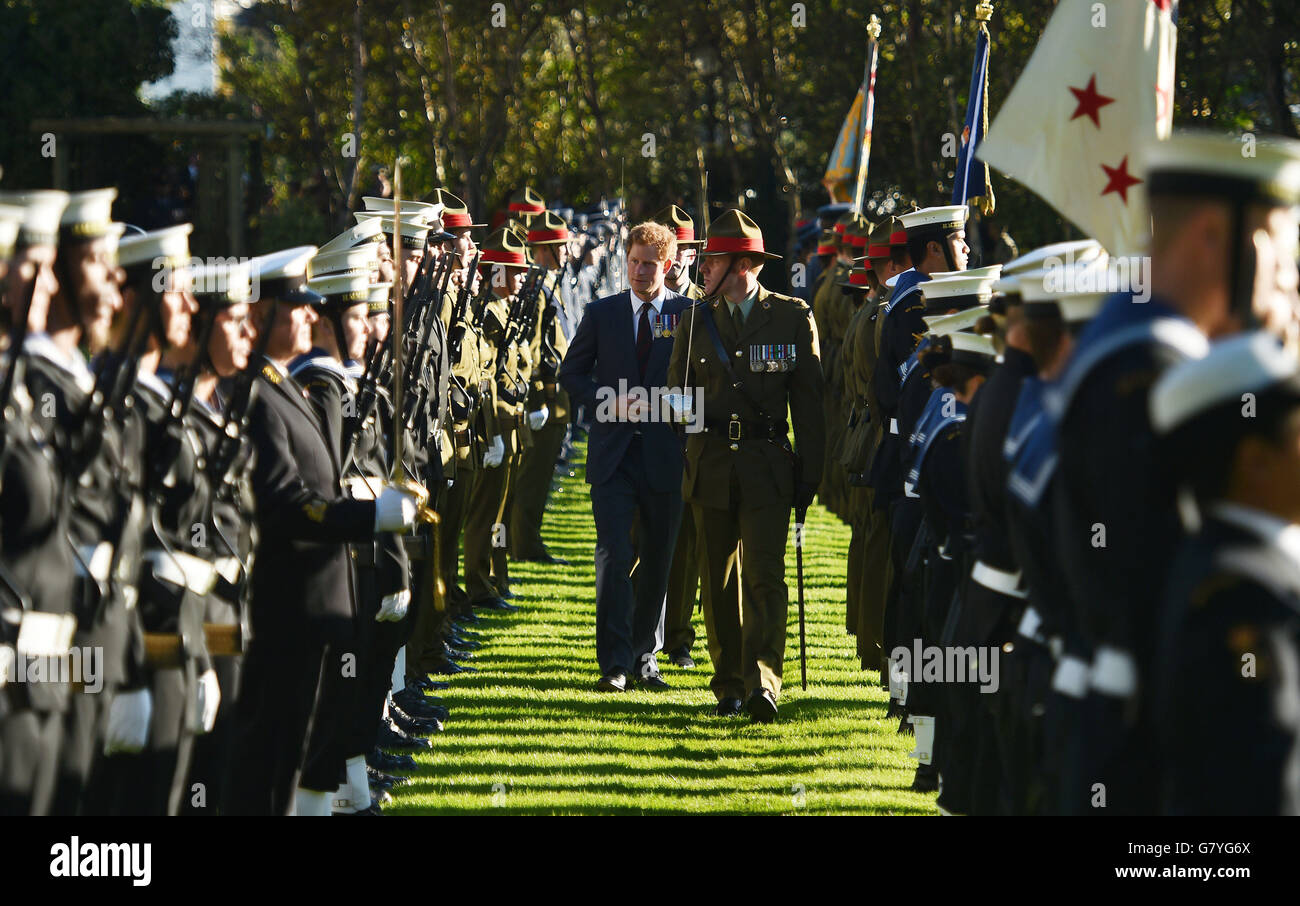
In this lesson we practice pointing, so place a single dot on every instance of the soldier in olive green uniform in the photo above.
(869, 547)
(503, 263)
(753, 353)
(548, 404)
(684, 573)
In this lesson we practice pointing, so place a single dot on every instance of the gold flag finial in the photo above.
(984, 11)
(873, 27)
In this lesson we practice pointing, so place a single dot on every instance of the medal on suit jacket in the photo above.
(664, 325)
(772, 357)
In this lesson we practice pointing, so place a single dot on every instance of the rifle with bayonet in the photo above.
(421, 357)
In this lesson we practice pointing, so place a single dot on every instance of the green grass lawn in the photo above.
(529, 735)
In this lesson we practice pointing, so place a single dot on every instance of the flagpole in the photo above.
(984, 15)
(868, 113)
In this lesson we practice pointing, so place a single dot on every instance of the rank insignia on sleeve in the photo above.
(315, 510)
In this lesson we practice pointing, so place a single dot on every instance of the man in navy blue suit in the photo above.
(617, 366)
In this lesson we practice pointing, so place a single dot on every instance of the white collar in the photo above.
(1271, 529)
(41, 345)
(155, 383)
(657, 301)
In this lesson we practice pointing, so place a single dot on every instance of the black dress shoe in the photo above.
(614, 681)
(508, 595)
(547, 558)
(456, 640)
(445, 667)
(654, 682)
(385, 780)
(682, 658)
(452, 653)
(761, 706)
(372, 809)
(418, 706)
(392, 736)
(926, 779)
(415, 726)
(494, 603)
(728, 707)
(388, 762)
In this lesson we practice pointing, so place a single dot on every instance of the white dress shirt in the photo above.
(637, 302)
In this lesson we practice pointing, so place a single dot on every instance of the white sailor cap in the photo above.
(11, 218)
(1252, 362)
(364, 231)
(221, 283)
(945, 219)
(342, 290)
(1198, 163)
(1079, 251)
(168, 247)
(282, 276)
(42, 209)
(1074, 291)
(430, 211)
(360, 259)
(88, 215)
(962, 288)
(378, 298)
(972, 347)
(943, 325)
(414, 229)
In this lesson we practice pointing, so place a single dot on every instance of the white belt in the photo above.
(364, 487)
(8, 663)
(1114, 672)
(999, 580)
(46, 634)
(893, 426)
(228, 568)
(1030, 622)
(182, 569)
(1071, 677)
(95, 560)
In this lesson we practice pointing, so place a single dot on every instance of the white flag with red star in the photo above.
(1097, 87)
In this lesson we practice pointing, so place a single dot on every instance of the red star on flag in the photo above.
(1089, 101)
(1119, 180)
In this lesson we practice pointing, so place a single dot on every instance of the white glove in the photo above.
(395, 510)
(209, 700)
(495, 454)
(393, 607)
(128, 722)
(538, 418)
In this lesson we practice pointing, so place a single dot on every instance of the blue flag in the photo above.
(971, 178)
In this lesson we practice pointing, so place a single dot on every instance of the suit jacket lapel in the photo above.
(626, 339)
(663, 346)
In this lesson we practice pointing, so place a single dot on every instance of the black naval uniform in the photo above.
(172, 601)
(1117, 523)
(302, 603)
(105, 528)
(1230, 649)
(232, 535)
(993, 596)
(36, 580)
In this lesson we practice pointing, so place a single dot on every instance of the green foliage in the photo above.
(66, 58)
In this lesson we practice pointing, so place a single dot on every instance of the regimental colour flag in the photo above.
(1098, 86)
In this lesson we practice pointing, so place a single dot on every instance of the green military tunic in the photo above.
(740, 476)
